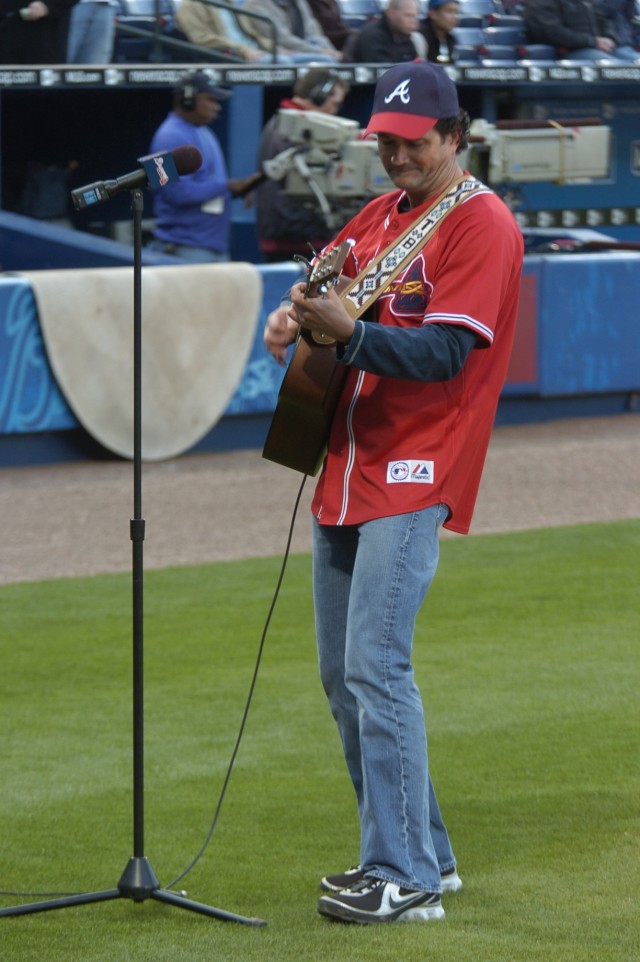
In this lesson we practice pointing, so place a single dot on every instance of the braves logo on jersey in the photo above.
(409, 294)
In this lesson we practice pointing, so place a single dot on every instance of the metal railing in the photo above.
(160, 40)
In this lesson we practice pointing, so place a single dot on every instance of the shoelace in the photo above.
(367, 884)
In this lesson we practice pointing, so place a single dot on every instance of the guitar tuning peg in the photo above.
(302, 260)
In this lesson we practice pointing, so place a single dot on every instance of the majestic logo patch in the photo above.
(410, 472)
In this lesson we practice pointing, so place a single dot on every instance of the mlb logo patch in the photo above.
(410, 472)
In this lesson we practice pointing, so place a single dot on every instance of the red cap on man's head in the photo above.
(410, 99)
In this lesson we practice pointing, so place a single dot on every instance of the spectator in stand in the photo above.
(220, 29)
(34, 32)
(92, 31)
(192, 216)
(622, 19)
(285, 226)
(442, 17)
(576, 28)
(392, 38)
(298, 29)
(329, 16)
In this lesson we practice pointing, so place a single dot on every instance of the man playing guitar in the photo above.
(405, 452)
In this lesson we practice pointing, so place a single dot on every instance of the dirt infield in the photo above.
(73, 519)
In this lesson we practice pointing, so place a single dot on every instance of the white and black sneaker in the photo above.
(338, 883)
(451, 881)
(375, 900)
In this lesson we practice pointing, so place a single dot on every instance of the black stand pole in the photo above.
(138, 881)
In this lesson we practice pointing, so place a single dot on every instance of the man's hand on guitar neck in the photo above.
(325, 315)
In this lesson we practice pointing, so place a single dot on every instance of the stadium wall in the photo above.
(577, 348)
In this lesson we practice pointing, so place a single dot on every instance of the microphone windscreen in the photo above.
(187, 159)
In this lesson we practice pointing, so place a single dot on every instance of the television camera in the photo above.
(329, 165)
(333, 166)
(527, 151)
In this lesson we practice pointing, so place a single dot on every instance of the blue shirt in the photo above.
(178, 208)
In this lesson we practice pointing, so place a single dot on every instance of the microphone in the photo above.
(156, 170)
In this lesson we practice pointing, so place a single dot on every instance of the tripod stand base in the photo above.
(138, 882)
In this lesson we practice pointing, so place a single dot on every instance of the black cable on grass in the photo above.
(243, 723)
(252, 686)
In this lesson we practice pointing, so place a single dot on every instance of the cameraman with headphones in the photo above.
(192, 216)
(286, 227)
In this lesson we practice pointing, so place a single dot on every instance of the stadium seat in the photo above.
(468, 36)
(357, 12)
(537, 51)
(472, 20)
(141, 15)
(504, 36)
(505, 20)
(465, 53)
(133, 49)
(498, 52)
(480, 7)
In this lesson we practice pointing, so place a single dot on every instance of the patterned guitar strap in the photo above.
(365, 289)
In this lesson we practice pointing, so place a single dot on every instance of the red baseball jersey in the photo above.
(402, 445)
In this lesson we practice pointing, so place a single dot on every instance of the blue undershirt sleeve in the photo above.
(433, 352)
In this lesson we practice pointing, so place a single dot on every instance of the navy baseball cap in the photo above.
(201, 82)
(410, 98)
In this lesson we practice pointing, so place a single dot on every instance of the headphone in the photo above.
(321, 91)
(189, 90)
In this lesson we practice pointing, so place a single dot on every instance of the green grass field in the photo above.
(527, 654)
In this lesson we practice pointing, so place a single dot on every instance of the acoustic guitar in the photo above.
(311, 387)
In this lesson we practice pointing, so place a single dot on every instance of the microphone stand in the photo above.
(138, 881)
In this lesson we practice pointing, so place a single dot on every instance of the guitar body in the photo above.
(306, 405)
(311, 387)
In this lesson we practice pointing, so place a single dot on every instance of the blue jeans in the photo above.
(591, 54)
(294, 57)
(91, 32)
(369, 582)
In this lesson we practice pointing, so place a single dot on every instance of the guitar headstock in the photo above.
(324, 273)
